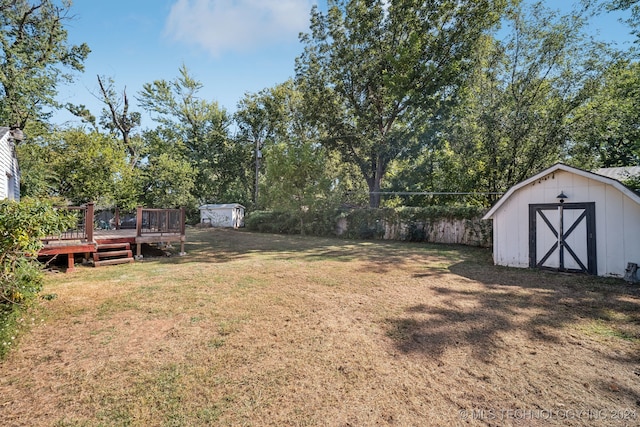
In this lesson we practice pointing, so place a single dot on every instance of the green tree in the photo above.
(299, 175)
(296, 179)
(605, 130)
(117, 118)
(198, 130)
(169, 182)
(77, 166)
(34, 56)
(370, 65)
(631, 6)
(515, 109)
(258, 117)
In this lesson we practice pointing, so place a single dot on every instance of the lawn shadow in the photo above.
(227, 245)
(489, 300)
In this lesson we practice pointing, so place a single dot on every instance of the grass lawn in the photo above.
(257, 329)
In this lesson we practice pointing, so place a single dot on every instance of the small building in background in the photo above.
(9, 170)
(222, 215)
(568, 219)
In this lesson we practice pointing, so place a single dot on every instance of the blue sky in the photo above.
(231, 46)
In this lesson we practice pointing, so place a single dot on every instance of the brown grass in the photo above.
(252, 329)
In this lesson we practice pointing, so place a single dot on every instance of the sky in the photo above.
(232, 47)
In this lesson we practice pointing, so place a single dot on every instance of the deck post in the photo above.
(139, 221)
(183, 220)
(88, 221)
(71, 265)
(139, 232)
(116, 218)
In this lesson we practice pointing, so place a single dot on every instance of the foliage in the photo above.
(168, 182)
(605, 129)
(298, 177)
(373, 223)
(631, 6)
(117, 118)
(37, 177)
(258, 116)
(75, 165)
(22, 225)
(513, 116)
(633, 183)
(369, 66)
(197, 131)
(282, 222)
(34, 55)
(370, 223)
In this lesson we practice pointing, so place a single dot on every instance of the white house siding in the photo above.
(9, 171)
(617, 219)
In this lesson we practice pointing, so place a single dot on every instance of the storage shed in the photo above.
(223, 215)
(567, 219)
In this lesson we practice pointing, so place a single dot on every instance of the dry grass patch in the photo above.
(253, 329)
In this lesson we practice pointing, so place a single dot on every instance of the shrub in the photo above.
(22, 226)
(272, 222)
(365, 223)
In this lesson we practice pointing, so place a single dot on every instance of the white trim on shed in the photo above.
(610, 223)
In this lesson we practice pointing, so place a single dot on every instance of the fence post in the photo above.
(88, 221)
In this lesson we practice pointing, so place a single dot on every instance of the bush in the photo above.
(22, 226)
(364, 223)
(272, 222)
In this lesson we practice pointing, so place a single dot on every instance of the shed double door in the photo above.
(562, 236)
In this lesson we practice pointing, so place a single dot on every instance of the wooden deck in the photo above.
(166, 226)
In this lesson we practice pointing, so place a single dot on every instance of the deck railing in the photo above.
(163, 221)
(147, 221)
(82, 232)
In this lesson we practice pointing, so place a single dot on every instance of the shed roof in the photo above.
(620, 173)
(561, 166)
(221, 206)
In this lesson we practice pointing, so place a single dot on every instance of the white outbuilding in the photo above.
(568, 219)
(223, 215)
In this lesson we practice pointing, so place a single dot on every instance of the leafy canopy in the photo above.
(370, 65)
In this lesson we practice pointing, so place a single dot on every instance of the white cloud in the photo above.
(237, 25)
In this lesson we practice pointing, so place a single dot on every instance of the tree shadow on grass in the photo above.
(487, 300)
(227, 245)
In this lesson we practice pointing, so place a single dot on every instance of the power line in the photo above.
(429, 193)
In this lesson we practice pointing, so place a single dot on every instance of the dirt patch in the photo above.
(252, 329)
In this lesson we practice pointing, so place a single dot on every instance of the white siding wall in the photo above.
(9, 172)
(222, 217)
(617, 221)
(217, 217)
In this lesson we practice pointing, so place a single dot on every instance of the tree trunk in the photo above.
(373, 182)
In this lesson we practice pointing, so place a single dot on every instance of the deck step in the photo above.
(116, 253)
(106, 246)
(113, 254)
(112, 261)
